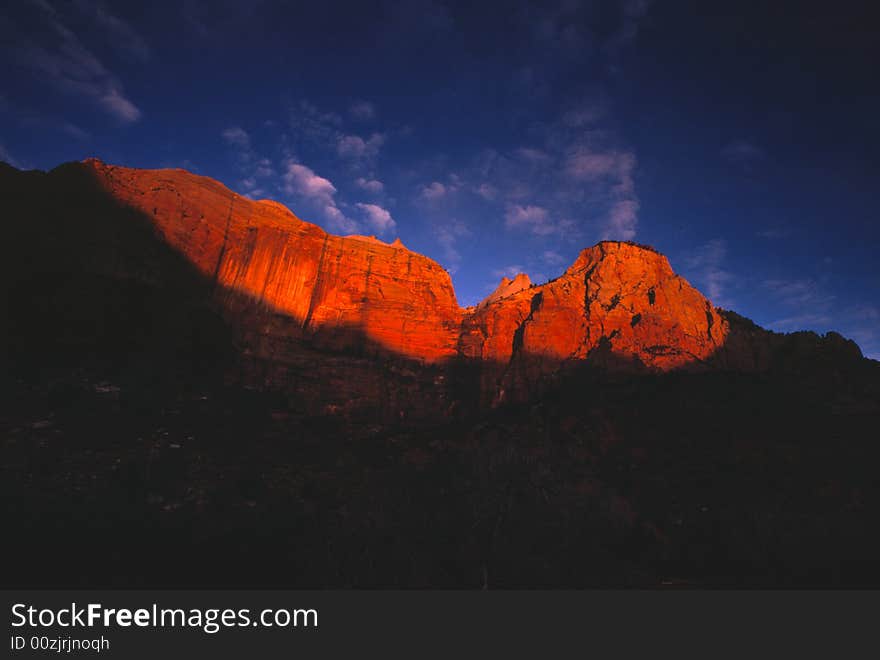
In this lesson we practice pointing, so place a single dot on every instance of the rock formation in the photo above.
(616, 298)
(507, 287)
(337, 290)
(310, 312)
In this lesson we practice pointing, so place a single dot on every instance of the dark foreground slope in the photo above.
(696, 479)
(146, 440)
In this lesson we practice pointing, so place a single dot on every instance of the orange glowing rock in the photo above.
(337, 290)
(142, 267)
(616, 299)
(343, 291)
(287, 288)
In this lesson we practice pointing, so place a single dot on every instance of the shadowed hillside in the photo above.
(199, 389)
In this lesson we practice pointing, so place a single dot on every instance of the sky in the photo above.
(740, 139)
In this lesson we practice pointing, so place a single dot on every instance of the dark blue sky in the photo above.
(739, 138)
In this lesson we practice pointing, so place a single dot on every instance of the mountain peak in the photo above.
(507, 287)
(287, 287)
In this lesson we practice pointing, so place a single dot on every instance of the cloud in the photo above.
(250, 163)
(447, 235)
(373, 186)
(263, 168)
(800, 322)
(119, 106)
(378, 218)
(612, 170)
(858, 323)
(532, 218)
(314, 125)
(302, 181)
(799, 293)
(65, 63)
(509, 272)
(123, 35)
(237, 137)
(707, 262)
(862, 327)
(553, 258)
(573, 174)
(622, 220)
(355, 147)
(249, 183)
(534, 156)
(32, 118)
(584, 114)
(487, 191)
(7, 157)
(299, 179)
(72, 130)
(573, 30)
(585, 164)
(434, 191)
(363, 110)
(773, 233)
(867, 313)
(632, 14)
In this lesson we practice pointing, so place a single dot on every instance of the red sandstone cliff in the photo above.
(338, 290)
(404, 302)
(616, 298)
(308, 311)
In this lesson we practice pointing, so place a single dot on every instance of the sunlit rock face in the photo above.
(173, 268)
(341, 293)
(506, 288)
(617, 301)
(344, 292)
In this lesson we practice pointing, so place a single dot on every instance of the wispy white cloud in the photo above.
(487, 191)
(509, 272)
(363, 110)
(437, 190)
(252, 165)
(378, 218)
(65, 63)
(622, 220)
(448, 233)
(237, 137)
(35, 119)
(533, 155)
(310, 124)
(803, 292)
(373, 186)
(584, 163)
(707, 262)
(800, 322)
(534, 218)
(632, 15)
(582, 180)
(355, 147)
(8, 158)
(611, 170)
(302, 181)
(120, 32)
(552, 258)
(772, 233)
(584, 113)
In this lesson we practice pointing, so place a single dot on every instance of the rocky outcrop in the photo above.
(340, 322)
(340, 293)
(617, 299)
(507, 287)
